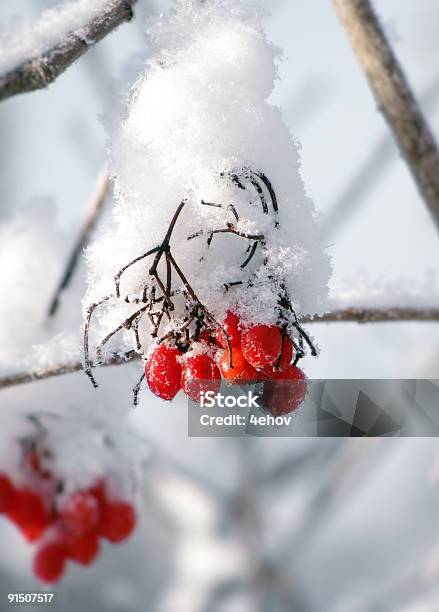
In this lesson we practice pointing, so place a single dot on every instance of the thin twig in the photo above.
(59, 369)
(96, 207)
(358, 185)
(359, 315)
(394, 97)
(375, 315)
(38, 72)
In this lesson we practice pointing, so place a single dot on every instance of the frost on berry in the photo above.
(163, 372)
(261, 345)
(200, 374)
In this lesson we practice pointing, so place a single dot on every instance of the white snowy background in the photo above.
(282, 524)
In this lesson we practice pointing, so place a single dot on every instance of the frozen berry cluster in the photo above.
(64, 528)
(239, 355)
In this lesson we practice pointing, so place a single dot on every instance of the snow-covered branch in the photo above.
(36, 54)
(353, 314)
(376, 315)
(394, 97)
(67, 367)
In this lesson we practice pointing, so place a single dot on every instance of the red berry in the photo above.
(49, 561)
(163, 372)
(231, 327)
(200, 374)
(286, 391)
(29, 513)
(80, 512)
(6, 493)
(284, 362)
(241, 372)
(261, 345)
(117, 521)
(83, 548)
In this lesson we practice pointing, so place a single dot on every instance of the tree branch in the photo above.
(394, 97)
(99, 197)
(59, 369)
(375, 315)
(38, 72)
(358, 315)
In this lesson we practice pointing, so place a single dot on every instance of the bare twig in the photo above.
(394, 96)
(68, 367)
(375, 315)
(359, 315)
(38, 72)
(98, 200)
(365, 178)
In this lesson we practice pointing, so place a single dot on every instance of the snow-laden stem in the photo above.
(38, 72)
(353, 314)
(375, 315)
(394, 97)
(68, 367)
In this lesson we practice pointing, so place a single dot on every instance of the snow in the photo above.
(29, 247)
(382, 292)
(25, 40)
(197, 112)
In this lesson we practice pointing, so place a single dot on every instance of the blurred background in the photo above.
(228, 525)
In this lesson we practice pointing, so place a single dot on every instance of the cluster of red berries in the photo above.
(260, 353)
(69, 531)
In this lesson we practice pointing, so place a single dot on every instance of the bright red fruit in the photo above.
(286, 391)
(231, 327)
(200, 374)
(241, 372)
(261, 345)
(6, 493)
(163, 372)
(83, 548)
(50, 561)
(117, 521)
(29, 513)
(80, 512)
(285, 360)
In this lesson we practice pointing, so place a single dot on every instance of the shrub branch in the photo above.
(351, 315)
(38, 72)
(394, 97)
